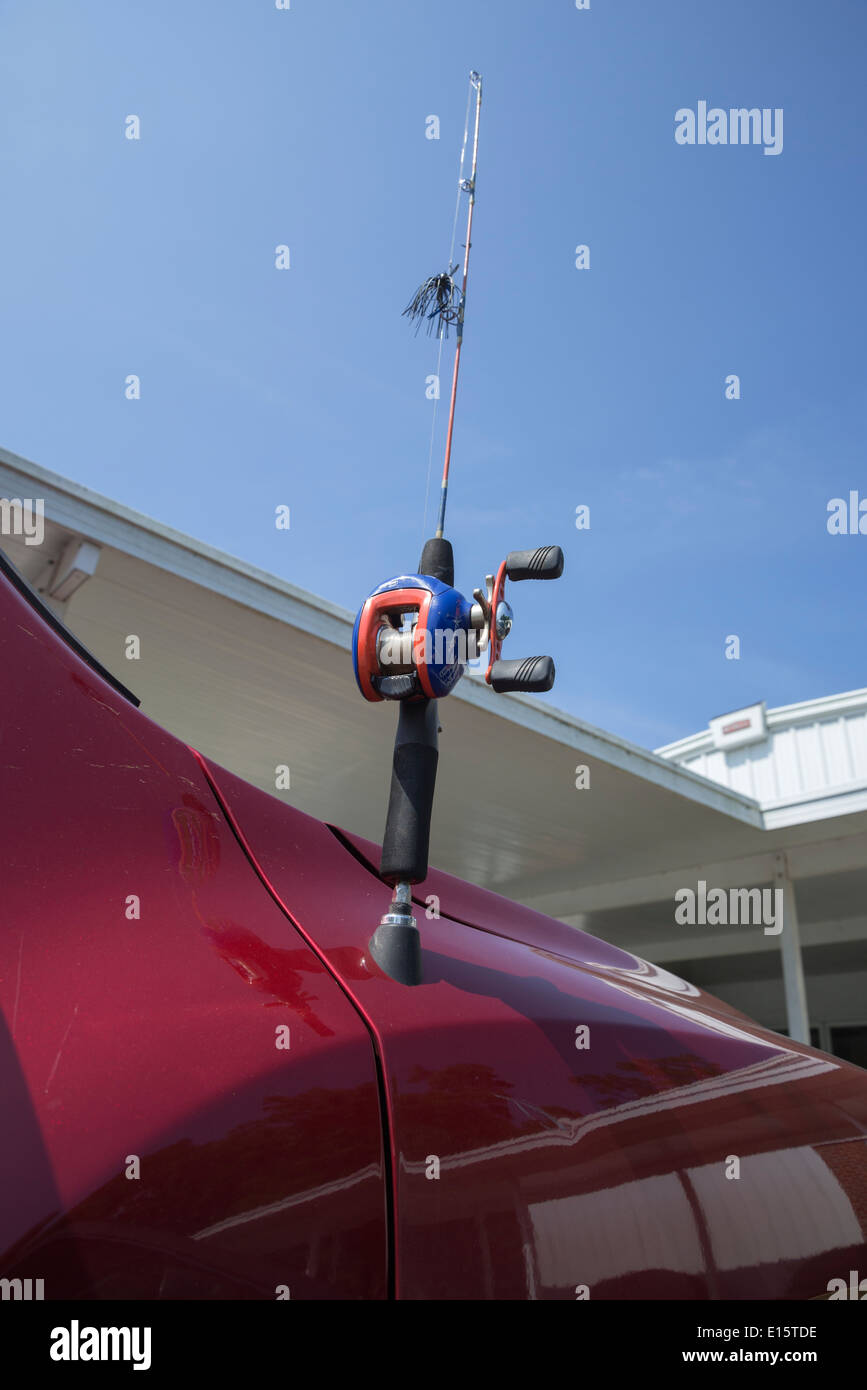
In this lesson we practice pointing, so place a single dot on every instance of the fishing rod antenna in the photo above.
(415, 634)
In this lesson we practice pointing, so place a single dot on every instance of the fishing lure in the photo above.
(438, 301)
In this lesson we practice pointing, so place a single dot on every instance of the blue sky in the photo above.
(602, 387)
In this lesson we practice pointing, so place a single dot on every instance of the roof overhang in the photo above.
(255, 672)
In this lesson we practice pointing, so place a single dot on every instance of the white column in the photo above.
(798, 1019)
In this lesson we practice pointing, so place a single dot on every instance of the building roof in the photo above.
(798, 762)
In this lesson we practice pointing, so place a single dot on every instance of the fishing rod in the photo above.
(415, 634)
(467, 186)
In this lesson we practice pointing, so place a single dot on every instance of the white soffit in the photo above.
(253, 670)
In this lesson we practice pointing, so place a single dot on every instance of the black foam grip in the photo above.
(530, 673)
(437, 560)
(410, 803)
(544, 563)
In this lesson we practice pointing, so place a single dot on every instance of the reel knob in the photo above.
(530, 674)
(544, 563)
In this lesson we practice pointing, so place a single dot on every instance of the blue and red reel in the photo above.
(409, 639)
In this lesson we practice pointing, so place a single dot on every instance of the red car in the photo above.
(210, 1090)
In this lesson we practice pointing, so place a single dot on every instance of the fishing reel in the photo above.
(413, 639)
(415, 634)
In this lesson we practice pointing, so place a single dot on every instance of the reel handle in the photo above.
(530, 674)
(544, 563)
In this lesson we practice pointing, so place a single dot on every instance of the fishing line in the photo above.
(441, 334)
(439, 302)
(432, 436)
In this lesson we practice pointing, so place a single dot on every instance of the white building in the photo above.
(801, 764)
(255, 672)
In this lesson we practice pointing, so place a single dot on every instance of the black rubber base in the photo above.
(397, 951)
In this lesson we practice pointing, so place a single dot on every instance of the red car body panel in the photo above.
(463, 1139)
(606, 1168)
(156, 1036)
